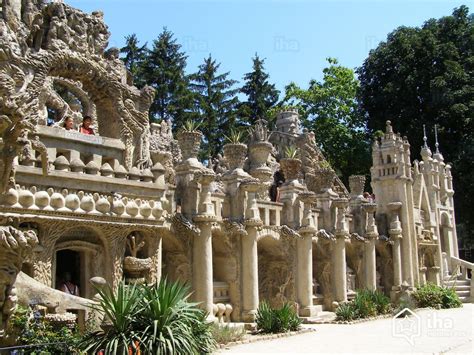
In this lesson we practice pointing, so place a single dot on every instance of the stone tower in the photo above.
(392, 186)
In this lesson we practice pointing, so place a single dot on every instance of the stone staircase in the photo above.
(462, 288)
(463, 279)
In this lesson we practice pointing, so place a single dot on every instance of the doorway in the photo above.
(69, 264)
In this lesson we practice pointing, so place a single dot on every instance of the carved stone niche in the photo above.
(136, 268)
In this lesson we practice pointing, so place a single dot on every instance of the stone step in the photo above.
(462, 288)
(463, 293)
(465, 299)
(457, 283)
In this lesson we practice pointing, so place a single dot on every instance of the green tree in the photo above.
(164, 70)
(215, 104)
(329, 108)
(134, 56)
(426, 76)
(261, 95)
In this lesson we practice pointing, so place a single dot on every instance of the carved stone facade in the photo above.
(133, 202)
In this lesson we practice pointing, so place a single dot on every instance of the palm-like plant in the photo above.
(155, 319)
(191, 126)
(120, 310)
(235, 136)
(291, 152)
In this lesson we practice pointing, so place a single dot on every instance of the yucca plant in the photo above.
(235, 136)
(190, 126)
(156, 319)
(346, 312)
(278, 320)
(120, 310)
(291, 152)
(172, 325)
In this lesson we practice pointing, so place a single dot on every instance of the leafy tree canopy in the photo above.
(329, 108)
(426, 76)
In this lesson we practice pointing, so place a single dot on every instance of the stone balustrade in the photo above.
(217, 200)
(66, 201)
(71, 151)
(270, 212)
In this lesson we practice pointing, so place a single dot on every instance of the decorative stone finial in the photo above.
(436, 138)
(388, 127)
(425, 139)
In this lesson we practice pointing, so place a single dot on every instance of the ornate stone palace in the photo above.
(133, 202)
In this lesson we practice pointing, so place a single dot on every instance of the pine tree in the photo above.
(261, 95)
(216, 103)
(134, 57)
(164, 70)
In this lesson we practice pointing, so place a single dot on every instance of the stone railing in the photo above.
(77, 202)
(270, 212)
(464, 267)
(217, 200)
(222, 307)
(71, 151)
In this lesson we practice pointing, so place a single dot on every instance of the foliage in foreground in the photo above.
(434, 296)
(279, 320)
(154, 319)
(28, 327)
(366, 304)
(224, 334)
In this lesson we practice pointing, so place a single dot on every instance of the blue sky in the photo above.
(295, 36)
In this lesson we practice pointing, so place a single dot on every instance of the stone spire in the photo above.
(425, 150)
(438, 156)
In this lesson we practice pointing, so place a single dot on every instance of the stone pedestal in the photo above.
(371, 236)
(339, 252)
(250, 273)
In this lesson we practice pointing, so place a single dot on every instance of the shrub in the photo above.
(278, 320)
(366, 304)
(346, 312)
(434, 296)
(150, 319)
(224, 334)
(28, 327)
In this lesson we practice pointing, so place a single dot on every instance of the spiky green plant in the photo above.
(190, 126)
(346, 312)
(235, 136)
(277, 320)
(156, 319)
(291, 152)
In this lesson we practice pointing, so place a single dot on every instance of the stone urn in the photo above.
(258, 154)
(234, 154)
(356, 185)
(136, 269)
(321, 180)
(189, 143)
(291, 168)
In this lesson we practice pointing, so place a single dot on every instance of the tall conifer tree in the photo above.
(261, 95)
(164, 70)
(134, 57)
(216, 102)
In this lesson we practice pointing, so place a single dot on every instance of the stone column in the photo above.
(371, 235)
(304, 245)
(202, 247)
(395, 233)
(339, 252)
(249, 253)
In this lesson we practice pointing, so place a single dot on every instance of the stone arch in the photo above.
(175, 262)
(322, 272)
(274, 269)
(89, 251)
(226, 270)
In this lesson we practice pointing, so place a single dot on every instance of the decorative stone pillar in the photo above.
(339, 251)
(250, 253)
(395, 233)
(371, 235)
(304, 245)
(202, 247)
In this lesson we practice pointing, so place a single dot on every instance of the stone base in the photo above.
(395, 294)
(310, 311)
(249, 316)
